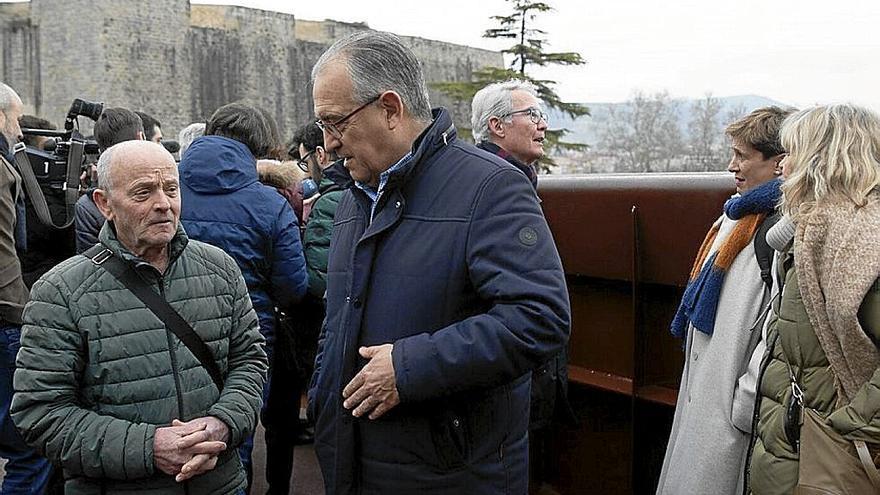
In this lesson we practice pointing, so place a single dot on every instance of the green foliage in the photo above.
(529, 51)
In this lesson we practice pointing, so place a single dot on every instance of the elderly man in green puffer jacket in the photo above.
(103, 387)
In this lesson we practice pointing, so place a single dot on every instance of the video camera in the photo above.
(66, 150)
(57, 168)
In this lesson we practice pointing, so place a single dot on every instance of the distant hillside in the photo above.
(586, 129)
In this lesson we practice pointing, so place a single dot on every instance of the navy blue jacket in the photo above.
(550, 381)
(459, 271)
(224, 205)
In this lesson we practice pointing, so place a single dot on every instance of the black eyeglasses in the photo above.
(535, 114)
(303, 162)
(333, 128)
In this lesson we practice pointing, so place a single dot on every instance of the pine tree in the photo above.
(529, 51)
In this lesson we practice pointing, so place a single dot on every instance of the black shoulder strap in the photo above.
(102, 256)
(763, 251)
(35, 193)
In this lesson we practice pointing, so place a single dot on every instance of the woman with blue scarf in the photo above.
(724, 297)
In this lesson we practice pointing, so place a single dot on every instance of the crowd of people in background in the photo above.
(406, 282)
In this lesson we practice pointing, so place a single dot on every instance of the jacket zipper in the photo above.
(175, 371)
(756, 414)
(174, 365)
(768, 357)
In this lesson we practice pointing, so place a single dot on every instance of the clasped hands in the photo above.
(373, 390)
(184, 450)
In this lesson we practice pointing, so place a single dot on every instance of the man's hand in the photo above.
(200, 463)
(215, 428)
(203, 445)
(184, 450)
(374, 389)
(167, 454)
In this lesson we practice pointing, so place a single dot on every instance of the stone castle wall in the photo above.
(180, 62)
(20, 55)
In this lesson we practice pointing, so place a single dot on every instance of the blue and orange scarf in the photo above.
(700, 301)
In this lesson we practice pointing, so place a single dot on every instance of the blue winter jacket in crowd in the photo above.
(459, 271)
(224, 205)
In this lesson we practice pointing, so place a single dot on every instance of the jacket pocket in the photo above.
(451, 437)
(745, 392)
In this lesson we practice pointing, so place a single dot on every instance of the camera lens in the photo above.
(92, 110)
(86, 109)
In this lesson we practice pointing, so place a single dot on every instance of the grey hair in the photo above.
(379, 62)
(8, 96)
(189, 134)
(495, 100)
(104, 169)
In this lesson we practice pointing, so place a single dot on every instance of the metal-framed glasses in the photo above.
(303, 162)
(535, 114)
(334, 129)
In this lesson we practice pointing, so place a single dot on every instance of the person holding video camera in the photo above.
(47, 245)
(26, 471)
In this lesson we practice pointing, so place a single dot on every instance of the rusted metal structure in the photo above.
(627, 243)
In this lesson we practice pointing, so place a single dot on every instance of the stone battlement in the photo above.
(180, 62)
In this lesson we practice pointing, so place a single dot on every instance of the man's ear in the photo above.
(141, 136)
(496, 127)
(102, 201)
(392, 105)
(321, 156)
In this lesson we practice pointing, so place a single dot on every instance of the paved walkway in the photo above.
(306, 474)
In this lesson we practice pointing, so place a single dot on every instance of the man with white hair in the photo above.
(508, 121)
(26, 472)
(444, 291)
(189, 134)
(141, 365)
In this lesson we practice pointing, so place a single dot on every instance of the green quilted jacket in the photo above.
(774, 464)
(316, 240)
(98, 372)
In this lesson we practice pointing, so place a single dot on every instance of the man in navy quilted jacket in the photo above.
(224, 204)
(444, 291)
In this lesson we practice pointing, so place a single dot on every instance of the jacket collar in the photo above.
(440, 133)
(6, 149)
(336, 174)
(107, 237)
(527, 169)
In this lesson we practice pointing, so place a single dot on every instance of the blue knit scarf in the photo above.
(700, 301)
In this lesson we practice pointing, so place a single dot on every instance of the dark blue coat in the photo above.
(459, 271)
(224, 205)
(550, 381)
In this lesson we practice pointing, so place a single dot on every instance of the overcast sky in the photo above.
(798, 52)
